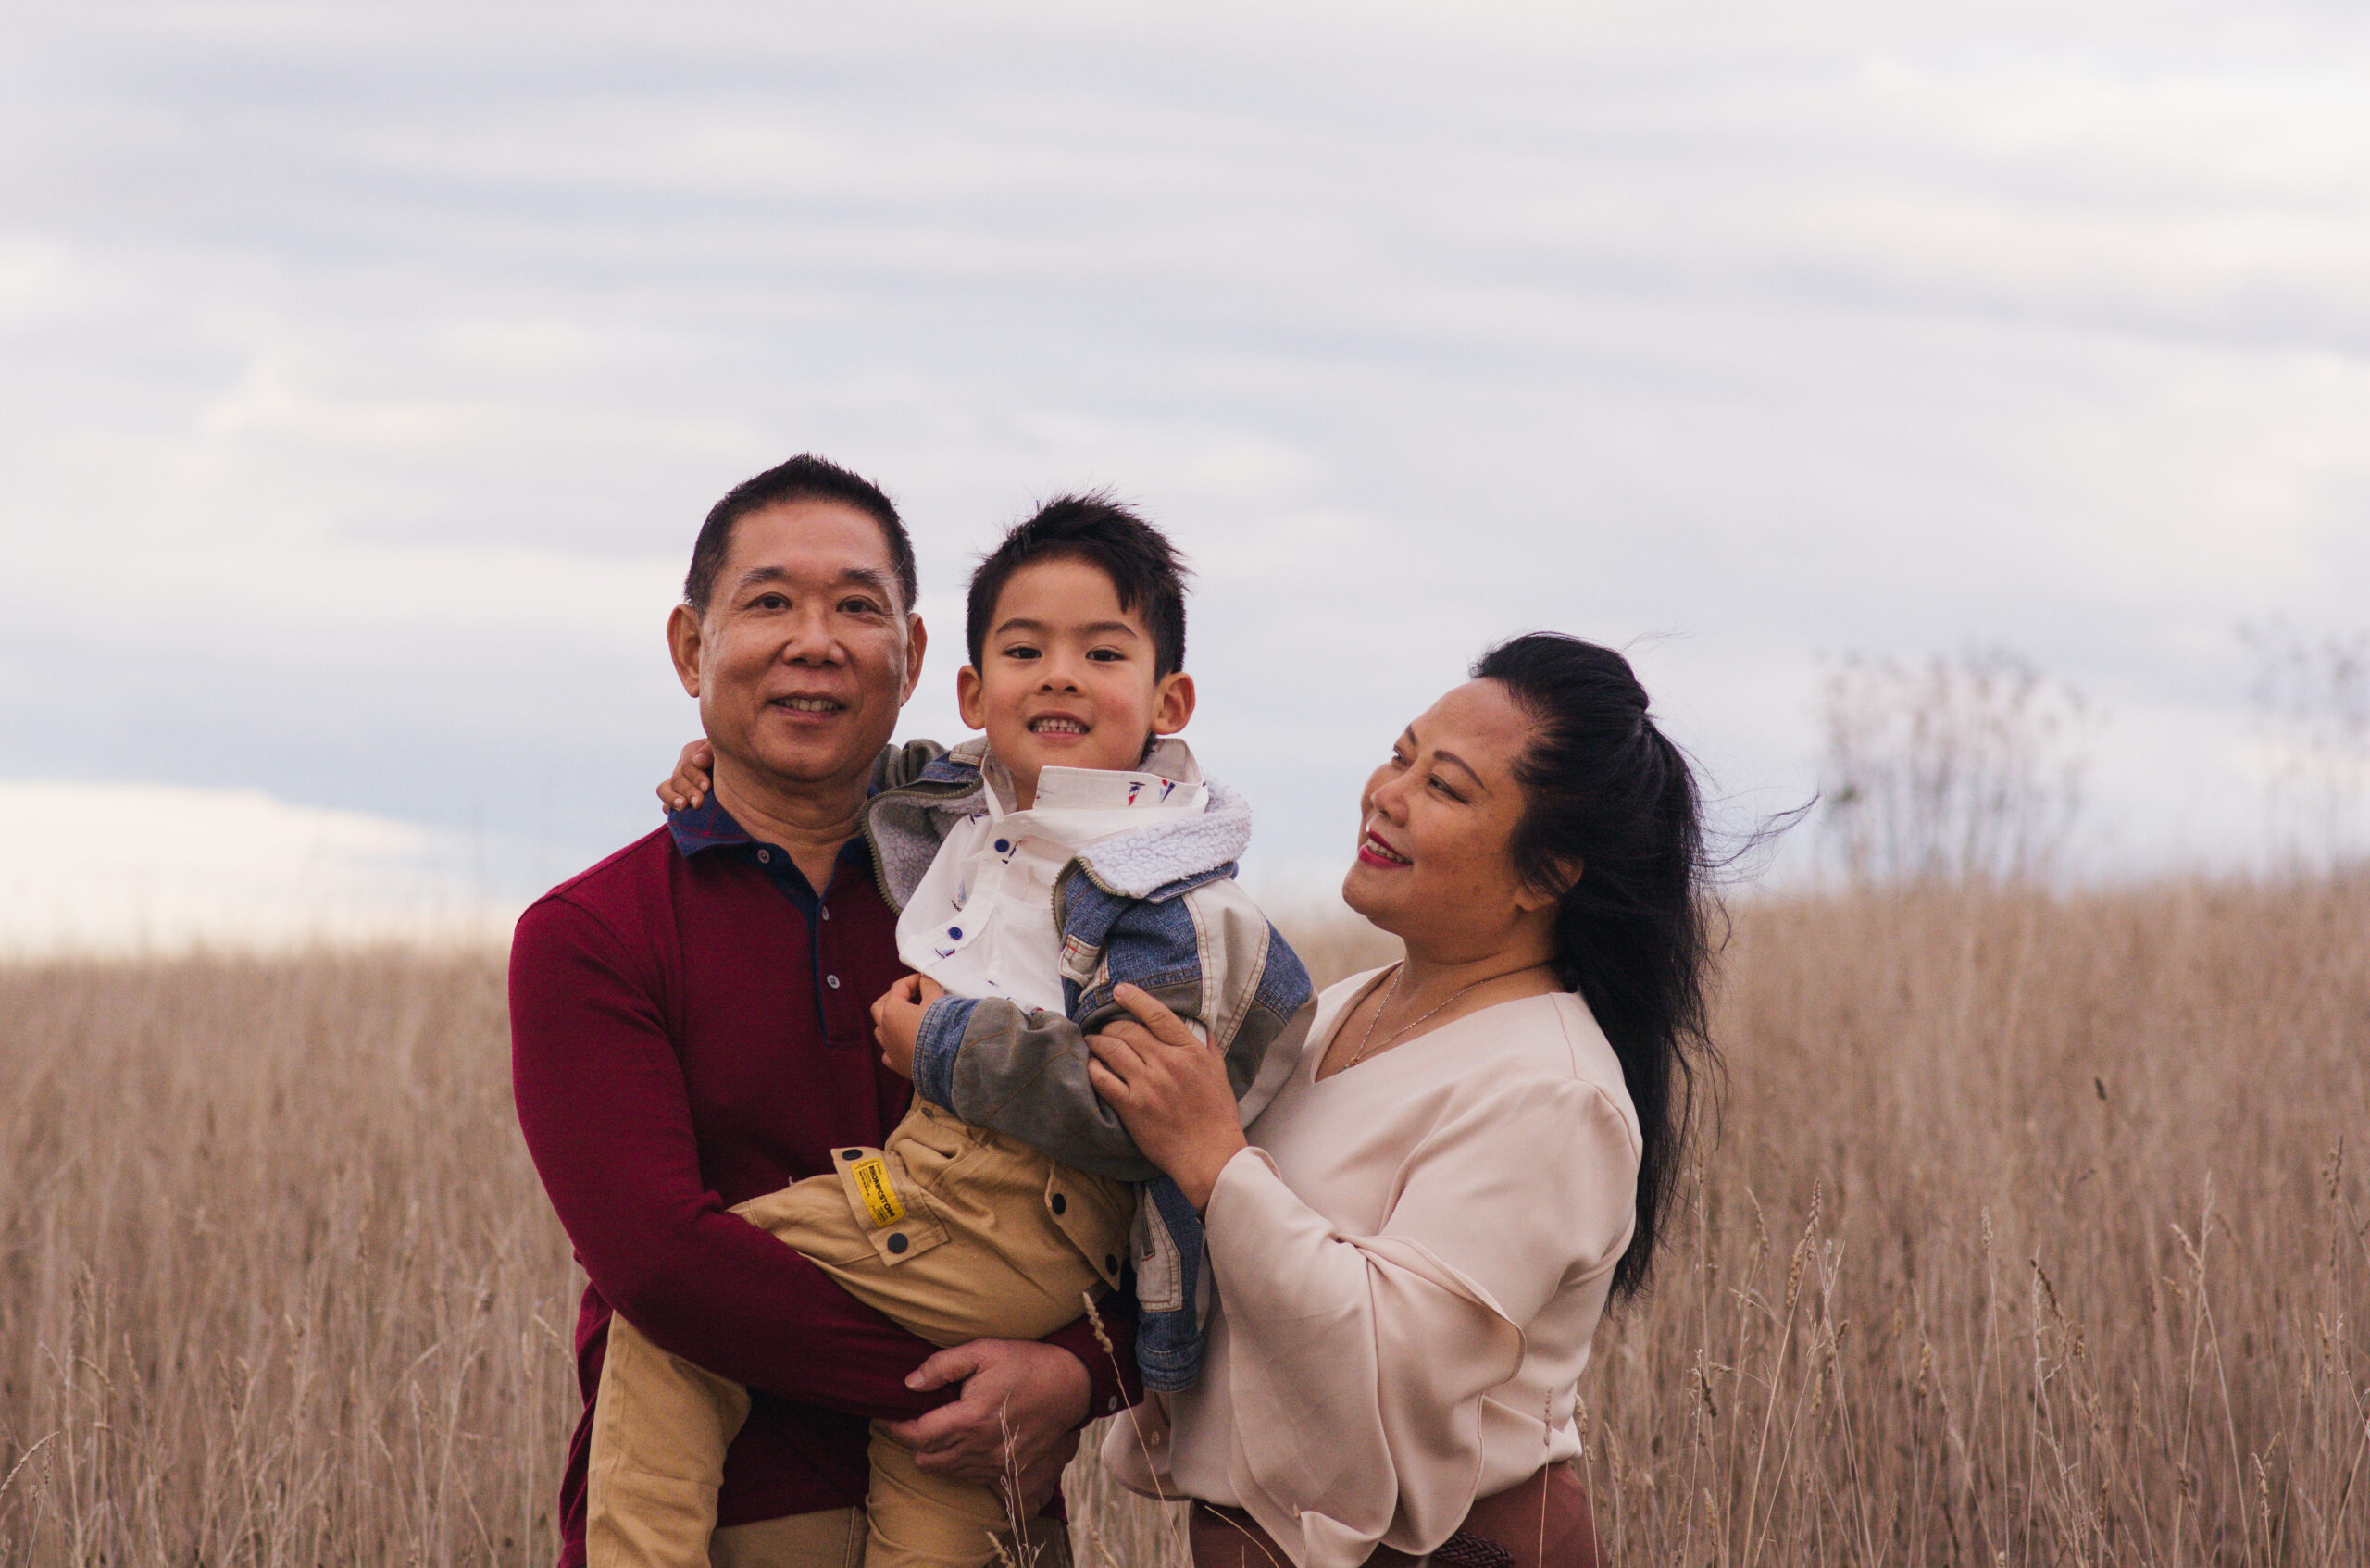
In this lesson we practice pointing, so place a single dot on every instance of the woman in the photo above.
(1413, 1243)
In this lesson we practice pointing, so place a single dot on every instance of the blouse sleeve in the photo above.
(1358, 1364)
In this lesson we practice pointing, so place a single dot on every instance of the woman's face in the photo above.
(1435, 824)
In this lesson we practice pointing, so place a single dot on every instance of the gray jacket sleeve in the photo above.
(1207, 953)
(897, 766)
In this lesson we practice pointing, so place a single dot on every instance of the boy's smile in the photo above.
(1067, 678)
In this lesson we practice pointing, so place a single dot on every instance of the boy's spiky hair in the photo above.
(1145, 568)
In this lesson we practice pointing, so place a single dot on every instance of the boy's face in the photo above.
(1066, 677)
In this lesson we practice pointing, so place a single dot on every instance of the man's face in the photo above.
(805, 653)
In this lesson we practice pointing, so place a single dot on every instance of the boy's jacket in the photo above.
(1156, 907)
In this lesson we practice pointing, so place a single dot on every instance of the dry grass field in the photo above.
(2035, 1234)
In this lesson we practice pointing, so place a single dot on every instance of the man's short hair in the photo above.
(1145, 568)
(803, 478)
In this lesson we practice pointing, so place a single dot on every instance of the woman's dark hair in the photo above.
(1607, 795)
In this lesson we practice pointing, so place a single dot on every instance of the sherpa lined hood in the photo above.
(908, 824)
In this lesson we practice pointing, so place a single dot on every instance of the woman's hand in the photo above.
(1171, 1091)
(897, 1020)
(687, 787)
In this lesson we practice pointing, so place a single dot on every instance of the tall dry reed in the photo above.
(2037, 1234)
(277, 1285)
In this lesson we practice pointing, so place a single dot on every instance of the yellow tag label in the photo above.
(879, 1198)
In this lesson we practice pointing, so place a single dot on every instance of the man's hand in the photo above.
(694, 770)
(1016, 1426)
(897, 1019)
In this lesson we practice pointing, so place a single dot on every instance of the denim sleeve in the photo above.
(1206, 953)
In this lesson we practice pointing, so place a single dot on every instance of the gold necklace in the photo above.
(1400, 974)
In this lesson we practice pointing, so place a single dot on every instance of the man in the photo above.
(691, 1028)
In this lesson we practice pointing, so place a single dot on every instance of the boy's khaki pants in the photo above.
(956, 1233)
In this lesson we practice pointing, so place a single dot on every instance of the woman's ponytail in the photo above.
(1613, 821)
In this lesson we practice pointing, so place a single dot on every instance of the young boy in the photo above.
(1071, 849)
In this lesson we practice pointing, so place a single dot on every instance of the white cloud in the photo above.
(156, 869)
(365, 370)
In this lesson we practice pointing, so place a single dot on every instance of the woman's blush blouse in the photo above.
(1410, 1261)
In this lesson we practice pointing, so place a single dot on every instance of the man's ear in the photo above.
(684, 643)
(1172, 703)
(971, 698)
(917, 644)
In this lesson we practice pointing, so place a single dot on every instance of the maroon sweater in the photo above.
(690, 1027)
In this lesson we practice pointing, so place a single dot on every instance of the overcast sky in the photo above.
(365, 370)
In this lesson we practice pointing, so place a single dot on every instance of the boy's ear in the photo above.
(969, 698)
(1172, 702)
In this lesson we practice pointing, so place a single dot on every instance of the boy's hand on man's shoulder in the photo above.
(897, 1020)
(694, 770)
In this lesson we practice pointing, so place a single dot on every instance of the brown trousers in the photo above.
(1543, 1522)
(955, 1232)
